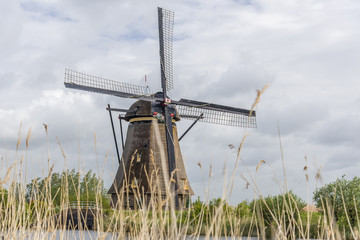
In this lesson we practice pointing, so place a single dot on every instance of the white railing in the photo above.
(82, 205)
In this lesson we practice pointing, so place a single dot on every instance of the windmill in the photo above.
(152, 119)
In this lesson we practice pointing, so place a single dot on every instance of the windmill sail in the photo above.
(82, 81)
(166, 24)
(215, 113)
(151, 116)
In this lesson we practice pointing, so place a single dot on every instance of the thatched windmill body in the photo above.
(151, 163)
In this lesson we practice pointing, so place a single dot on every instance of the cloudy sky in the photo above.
(307, 51)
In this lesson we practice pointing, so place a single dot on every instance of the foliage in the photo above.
(243, 209)
(68, 186)
(283, 207)
(197, 209)
(340, 199)
(312, 222)
(216, 203)
(3, 195)
(203, 215)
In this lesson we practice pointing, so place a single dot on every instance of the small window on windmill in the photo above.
(134, 183)
(185, 183)
(138, 157)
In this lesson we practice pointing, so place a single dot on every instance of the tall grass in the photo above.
(37, 217)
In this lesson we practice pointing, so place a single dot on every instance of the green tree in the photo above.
(197, 207)
(216, 203)
(3, 196)
(284, 208)
(340, 198)
(68, 186)
(243, 209)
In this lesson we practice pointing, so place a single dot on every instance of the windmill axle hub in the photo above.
(167, 101)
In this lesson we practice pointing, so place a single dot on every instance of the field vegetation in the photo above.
(28, 209)
(33, 209)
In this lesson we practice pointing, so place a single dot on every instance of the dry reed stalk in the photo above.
(7, 175)
(346, 214)
(28, 137)
(151, 221)
(308, 214)
(19, 138)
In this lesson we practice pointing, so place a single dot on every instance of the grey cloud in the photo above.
(296, 118)
(340, 130)
(241, 78)
(44, 11)
(342, 159)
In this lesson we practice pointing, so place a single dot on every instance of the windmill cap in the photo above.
(143, 108)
